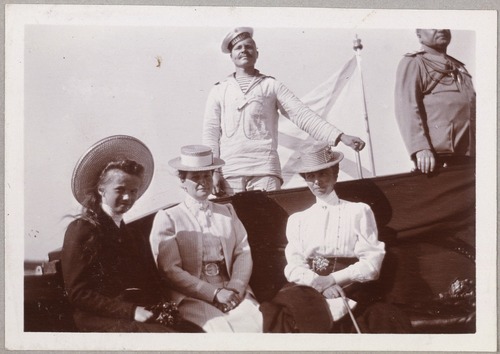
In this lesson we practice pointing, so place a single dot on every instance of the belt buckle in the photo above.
(211, 269)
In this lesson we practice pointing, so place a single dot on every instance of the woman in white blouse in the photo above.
(334, 244)
(202, 251)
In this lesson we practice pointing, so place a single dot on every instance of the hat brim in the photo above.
(306, 169)
(176, 164)
(114, 148)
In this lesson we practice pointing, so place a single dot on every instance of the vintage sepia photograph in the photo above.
(250, 178)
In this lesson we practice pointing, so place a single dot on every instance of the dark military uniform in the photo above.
(435, 105)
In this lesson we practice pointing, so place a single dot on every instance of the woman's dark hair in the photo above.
(335, 169)
(183, 174)
(92, 202)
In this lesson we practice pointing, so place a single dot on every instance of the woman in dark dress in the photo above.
(109, 273)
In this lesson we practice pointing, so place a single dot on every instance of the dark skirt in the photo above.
(87, 322)
(301, 309)
(377, 317)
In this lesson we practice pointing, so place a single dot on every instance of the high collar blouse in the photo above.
(203, 213)
(333, 227)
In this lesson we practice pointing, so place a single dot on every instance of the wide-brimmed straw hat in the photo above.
(234, 36)
(113, 148)
(318, 157)
(196, 158)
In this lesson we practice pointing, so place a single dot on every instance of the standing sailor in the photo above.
(241, 121)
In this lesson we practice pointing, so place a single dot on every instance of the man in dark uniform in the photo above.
(435, 104)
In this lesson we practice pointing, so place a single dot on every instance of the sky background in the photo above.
(76, 74)
(83, 83)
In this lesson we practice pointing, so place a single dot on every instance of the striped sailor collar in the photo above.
(258, 75)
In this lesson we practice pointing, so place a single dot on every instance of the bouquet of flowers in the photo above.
(320, 264)
(166, 313)
(461, 292)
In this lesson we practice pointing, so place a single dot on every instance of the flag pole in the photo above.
(357, 46)
(358, 164)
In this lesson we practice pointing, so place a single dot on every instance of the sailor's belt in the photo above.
(213, 268)
(326, 265)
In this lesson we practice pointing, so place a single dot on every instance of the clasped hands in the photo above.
(226, 299)
(325, 284)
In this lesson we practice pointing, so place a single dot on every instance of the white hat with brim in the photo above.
(114, 148)
(318, 157)
(233, 37)
(196, 158)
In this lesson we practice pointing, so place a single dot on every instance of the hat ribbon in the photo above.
(239, 37)
(196, 161)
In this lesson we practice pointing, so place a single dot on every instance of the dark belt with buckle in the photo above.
(326, 265)
(213, 268)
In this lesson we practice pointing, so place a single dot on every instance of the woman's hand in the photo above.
(333, 292)
(141, 314)
(228, 298)
(322, 282)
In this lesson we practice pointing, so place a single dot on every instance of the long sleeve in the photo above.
(241, 256)
(368, 249)
(212, 122)
(409, 108)
(83, 277)
(165, 241)
(306, 119)
(297, 270)
(242, 128)
(342, 230)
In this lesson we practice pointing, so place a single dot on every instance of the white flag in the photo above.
(339, 100)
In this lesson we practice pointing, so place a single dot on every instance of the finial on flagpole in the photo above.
(357, 43)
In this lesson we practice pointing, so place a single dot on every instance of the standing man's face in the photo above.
(435, 38)
(244, 53)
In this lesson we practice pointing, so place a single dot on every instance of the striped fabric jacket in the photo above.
(176, 241)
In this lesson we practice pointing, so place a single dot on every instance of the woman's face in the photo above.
(322, 182)
(119, 190)
(198, 184)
